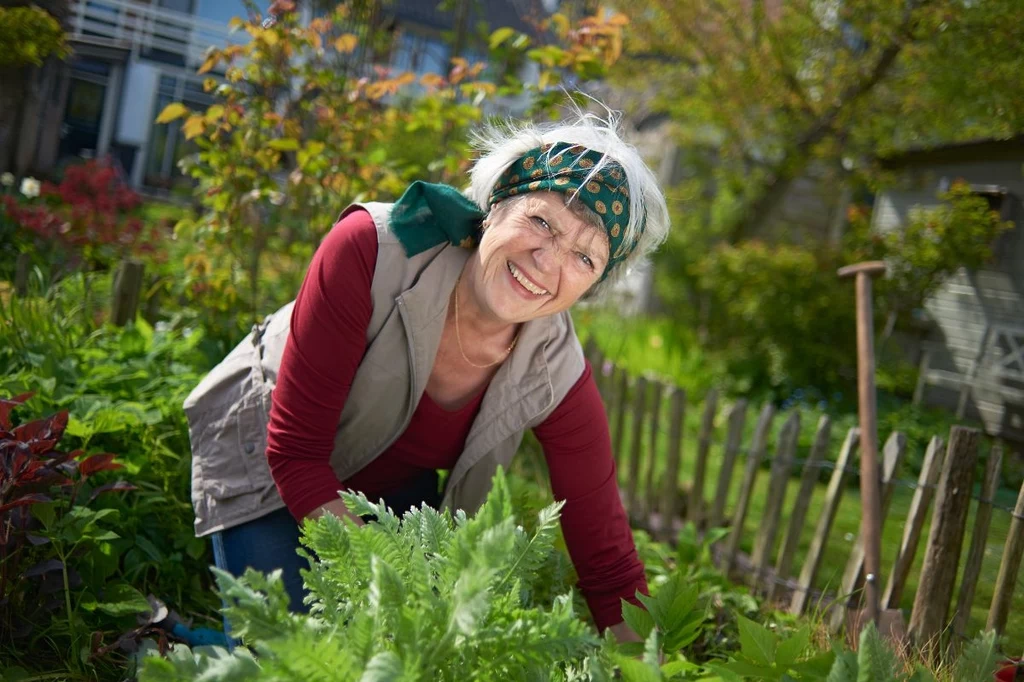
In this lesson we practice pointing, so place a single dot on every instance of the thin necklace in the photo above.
(458, 335)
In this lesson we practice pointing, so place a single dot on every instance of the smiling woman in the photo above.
(429, 335)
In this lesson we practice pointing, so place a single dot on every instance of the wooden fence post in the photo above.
(892, 454)
(633, 482)
(926, 482)
(803, 501)
(651, 496)
(621, 408)
(737, 417)
(22, 267)
(700, 465)
(979, 538)
(945, 539)
(670, 494)
(754, 457)
(1008, 569)
(833, 495)
(124, 302)
(775, 499)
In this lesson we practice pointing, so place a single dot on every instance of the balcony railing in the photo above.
(140, 28)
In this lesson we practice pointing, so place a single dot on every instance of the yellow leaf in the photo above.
(171, 112)
(561, 23)
(214, 112)
(235, 23)
(346, 43)
(210, 62)
(270, 37)
(209, 84)
(405, 79)
(618, 19)
(459, 62)
(194, 125)
(431, 80)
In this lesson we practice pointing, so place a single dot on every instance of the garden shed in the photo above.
(972, 341)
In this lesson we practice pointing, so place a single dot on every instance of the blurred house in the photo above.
(972, 355)
(133, 57)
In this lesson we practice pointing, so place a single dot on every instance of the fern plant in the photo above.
(427, 596)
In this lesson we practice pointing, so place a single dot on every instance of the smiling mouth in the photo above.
(525, 281)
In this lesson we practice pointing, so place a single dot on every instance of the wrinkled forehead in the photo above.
(568, 215)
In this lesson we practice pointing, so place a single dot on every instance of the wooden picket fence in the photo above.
(662, 504)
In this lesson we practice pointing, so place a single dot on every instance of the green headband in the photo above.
(429, 214)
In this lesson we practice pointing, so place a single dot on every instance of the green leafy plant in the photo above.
(764, 655)
(58, 566)
(426, 596)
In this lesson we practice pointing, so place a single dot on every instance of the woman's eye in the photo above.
(586, 260)
(543, 223)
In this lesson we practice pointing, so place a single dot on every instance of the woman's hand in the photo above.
(623, 633)
(337, 507)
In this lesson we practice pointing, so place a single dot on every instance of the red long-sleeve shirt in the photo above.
(325, 346)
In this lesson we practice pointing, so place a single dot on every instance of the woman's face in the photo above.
(536, 258)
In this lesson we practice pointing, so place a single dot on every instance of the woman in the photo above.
(428, 335)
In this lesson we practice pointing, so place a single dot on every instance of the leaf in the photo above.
(844, 669)
(122, 599)
(636, 671)
(44, 567)
(24, 501)
(384, 667)
(284, 144)
(173, 112)
(210, 62)
(791, 648)
(115, 487)
(978, 660)
(346, 43)
(756, 642)
(96, 463)
(500, 36)
(8, 404)
(875, 661)
(193, 126)
(215, 112)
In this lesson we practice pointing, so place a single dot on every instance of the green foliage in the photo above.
(29, 36)
(931, 247)
(59, 578)
(426, 596)
(780, 312)
(298, 130)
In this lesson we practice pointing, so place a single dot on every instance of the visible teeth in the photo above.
(521, 278)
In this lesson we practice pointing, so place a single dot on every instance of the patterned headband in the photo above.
(561, 167)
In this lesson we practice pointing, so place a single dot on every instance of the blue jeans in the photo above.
(270, 542)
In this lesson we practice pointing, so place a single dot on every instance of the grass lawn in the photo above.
(847, 522)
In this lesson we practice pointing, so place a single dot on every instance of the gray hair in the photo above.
(503, 144)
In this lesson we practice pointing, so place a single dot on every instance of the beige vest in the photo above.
(228, 411)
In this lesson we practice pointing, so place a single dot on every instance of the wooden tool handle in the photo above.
(868, 267)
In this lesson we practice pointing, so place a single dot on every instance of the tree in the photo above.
(774, 86)
(34, 43)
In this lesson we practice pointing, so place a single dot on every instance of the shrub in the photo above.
(58, 566)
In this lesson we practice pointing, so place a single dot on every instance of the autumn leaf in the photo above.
(432, 80)
(346, 43)
(210, 62)
(172, 112)
(194, 125)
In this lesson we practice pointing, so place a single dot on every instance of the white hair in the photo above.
(501, 145)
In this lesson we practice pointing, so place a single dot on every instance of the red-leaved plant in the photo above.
(92, 213)
(34, 471)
